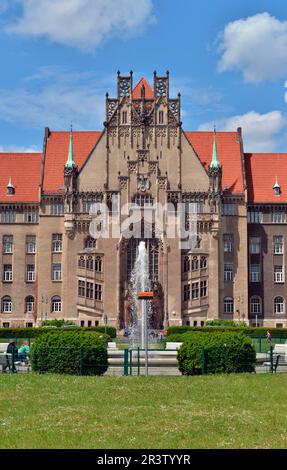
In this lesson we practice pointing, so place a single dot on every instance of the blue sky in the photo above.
(59, 57)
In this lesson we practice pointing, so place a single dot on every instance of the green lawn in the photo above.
(236, 411)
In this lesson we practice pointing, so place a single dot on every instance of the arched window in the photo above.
(98, 264)
(186, 264)
(6, 306)
(228, 305)
(90, 263)
(29, 304)
(194, 263)
(255, 305)
(56, 304)
(279, 305)
(82, 262)
(203, 262)
(90, 242)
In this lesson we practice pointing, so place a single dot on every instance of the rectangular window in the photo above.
(160, 117)
(98, 264)
(31, 244)
(87, 205)
(278, 217)
(90, 290)
(30, 273)
(254, 245)
(186, 292)
(254, 217)
(7, 243)
(278, 274)
(7, 273)
(29, 325)
(278, 244)
(8, 216)
(228, 271)
(98, 292)
(30, 216)
(228, 242)
(254, 273)
(57, 208)
(124, 117)
(81, 289)
(229, 208)
(195, 290)
(57, 242)
(203, 288)
(56, 271)
(6, 324)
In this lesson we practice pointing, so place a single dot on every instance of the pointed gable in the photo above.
(56, 156)
(149, 94)
(229, 156)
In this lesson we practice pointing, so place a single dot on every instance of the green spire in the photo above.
(70, 162)
(214, 165)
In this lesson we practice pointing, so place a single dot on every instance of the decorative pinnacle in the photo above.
(70, 162)
(276, 185)
(214, 165)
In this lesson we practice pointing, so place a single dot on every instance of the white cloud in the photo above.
(256, 46)
(82, 23)
(260, 131)
(17, 149)
(53, 97)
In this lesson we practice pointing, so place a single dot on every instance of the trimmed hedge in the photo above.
(66, 353)
(248, 330)
(226, 352)
(37, 331)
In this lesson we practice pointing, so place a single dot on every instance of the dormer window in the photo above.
(276, 188)
(10, 188)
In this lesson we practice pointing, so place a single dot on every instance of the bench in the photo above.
(3, 347)
(5, 361)
(112, 345)
(173, 345)
(279, 357)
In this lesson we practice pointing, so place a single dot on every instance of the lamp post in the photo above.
(105, 322)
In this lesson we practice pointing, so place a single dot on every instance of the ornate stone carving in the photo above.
(125, 86)
(173, 196)
(161, 87)
(111, 107)
(132, 166)
(123, 182)
(174, 108)
(162, 182)
(124, 131)
(143, 183)
(152, 167)
(143, 155)
(161, 131)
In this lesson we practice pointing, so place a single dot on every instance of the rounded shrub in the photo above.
(218, 353)
(67, 352)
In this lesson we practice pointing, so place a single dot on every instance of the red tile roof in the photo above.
(57, 154)
(149, 93)
(229, 155)
(261, 172)
(24, 170)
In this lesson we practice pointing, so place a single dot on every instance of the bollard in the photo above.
(138, 361)
(126, 362)
(271, 358)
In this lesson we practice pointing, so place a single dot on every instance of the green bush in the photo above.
(225, 323)
(37, 331)
(224, 352)
(58, 323)
(63, 352)
(247, 330)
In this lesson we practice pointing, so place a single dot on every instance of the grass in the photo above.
(235, 411)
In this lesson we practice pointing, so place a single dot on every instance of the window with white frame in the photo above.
(254, 273)
(7, 243)
(7, 273)
(228, 271)
(31, 216)
(57, 208)
(56, 304)
(143, 200)
(255, 305)
(279, 305)
(6, 304)
(278, 274)
(30, 273)
(229, 208)
(90, 290)
(57, 242)
(228, 305)
(278, 244)
(254, 216)
(31, 244)
(278, 217)
(254, 245)
(56, 272)
(228, 242)
(29, 304)
(8, 216)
